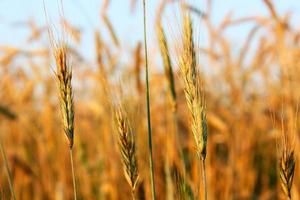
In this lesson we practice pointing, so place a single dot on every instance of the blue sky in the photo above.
(85, 14)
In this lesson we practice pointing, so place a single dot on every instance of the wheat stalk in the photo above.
(151, 163)
(8, 173)
(64, 79)
(127, 150)
(194, 98)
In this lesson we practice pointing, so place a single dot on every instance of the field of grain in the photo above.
(186, 112)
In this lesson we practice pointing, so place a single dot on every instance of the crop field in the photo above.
(154, 100)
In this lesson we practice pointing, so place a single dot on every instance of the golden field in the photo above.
(245, 97)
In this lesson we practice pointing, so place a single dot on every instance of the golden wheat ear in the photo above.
(126, 143)
(287, 159)
(194, 95)
(164, 50)
(64, 78)
(287, 170)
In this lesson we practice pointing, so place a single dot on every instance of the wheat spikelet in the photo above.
(64, 77)
(127, 149)
(287, 169)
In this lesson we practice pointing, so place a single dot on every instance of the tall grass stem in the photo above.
(73, 174)
(204, 177)
(9, 178)
(148, 106)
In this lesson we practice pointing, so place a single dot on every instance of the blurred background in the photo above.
(249, 58)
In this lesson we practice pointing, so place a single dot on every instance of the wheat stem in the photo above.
(201, 165)
(204, 177)
(73, 174)
(198, 179)
(132, 195)
(148, 106)
(9, 178)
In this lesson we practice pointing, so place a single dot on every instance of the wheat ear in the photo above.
(168, 69)
(127, 149)
(287, 169)
(64, 78)
(164, 50)
(194, 98)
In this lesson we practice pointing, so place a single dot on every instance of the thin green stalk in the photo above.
(73, 174)
(7, 172)
(148, 107)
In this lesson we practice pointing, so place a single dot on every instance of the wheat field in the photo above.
(185, 112)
